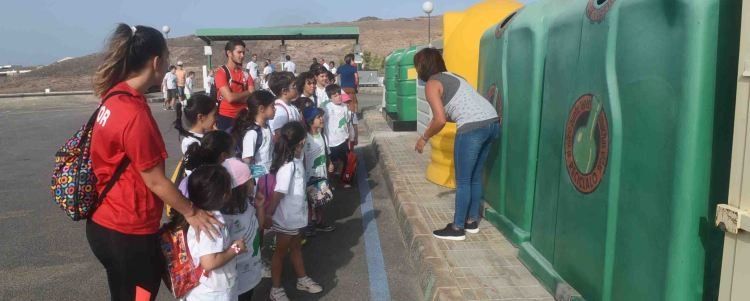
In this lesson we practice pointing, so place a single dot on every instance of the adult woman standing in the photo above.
(452, 98)
(122, 232)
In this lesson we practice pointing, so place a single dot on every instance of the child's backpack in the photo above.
(258, 141)
(347, 175)
(73, 178)
(183, 274)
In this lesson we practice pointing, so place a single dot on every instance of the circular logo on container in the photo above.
(596, 10)
(586, 143)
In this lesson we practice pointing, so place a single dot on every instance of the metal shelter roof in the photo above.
(278, 33)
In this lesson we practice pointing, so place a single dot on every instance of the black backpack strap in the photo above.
(116, 176)
(258, 140)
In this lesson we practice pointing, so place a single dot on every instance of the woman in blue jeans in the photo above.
(452, 98)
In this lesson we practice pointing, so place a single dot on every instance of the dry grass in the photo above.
(379, 37)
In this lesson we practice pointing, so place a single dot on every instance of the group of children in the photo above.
(269, 173)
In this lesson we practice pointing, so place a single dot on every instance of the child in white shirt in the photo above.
(209, 187)
(289, 209)
(252, 133)
(340, 126)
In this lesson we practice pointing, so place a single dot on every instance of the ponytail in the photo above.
(209, 151)
(290, 135)
(129, 49)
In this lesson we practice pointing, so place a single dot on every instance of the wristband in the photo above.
(236, 248)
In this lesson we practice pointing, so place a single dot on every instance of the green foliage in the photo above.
(373, 62)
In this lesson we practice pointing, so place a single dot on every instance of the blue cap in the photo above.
(310, 113)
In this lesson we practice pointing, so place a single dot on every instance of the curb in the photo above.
(434, 273)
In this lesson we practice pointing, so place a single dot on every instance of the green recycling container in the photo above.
(634, 148)
(406, 86)
(391, 72)
(510, 75)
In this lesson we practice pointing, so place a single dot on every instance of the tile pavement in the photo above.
(483, 267)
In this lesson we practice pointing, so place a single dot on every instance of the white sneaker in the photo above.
(278, 294)
(266, 271)
(308, 285)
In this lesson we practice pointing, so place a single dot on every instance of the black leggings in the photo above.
(134, 263)
(246, 296)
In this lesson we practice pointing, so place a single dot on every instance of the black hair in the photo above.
(231, 44)
(302, 79)
(209, 186)
(331, 76)
(333, 89)
(191, 73)
(127, 52)
(196, 104)
(172, 67)
(331, 63)
(238, 201)
(209, 151)
(319, 70)
(290, 135)
(288, 58)
(246, 118)
(349, 58)
(302, 103)
(280, 81)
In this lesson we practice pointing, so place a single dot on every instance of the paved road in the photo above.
(45, 255)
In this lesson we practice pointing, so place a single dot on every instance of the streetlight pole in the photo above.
(427, 7)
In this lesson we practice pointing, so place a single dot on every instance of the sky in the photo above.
(38, 32)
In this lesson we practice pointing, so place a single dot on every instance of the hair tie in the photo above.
(133, 29)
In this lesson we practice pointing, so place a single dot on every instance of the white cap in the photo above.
(179, 63)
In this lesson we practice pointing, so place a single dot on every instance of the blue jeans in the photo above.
(470, 152)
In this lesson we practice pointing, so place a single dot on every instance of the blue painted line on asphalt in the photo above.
(379, 290)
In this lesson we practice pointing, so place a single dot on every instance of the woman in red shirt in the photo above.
(122, 232)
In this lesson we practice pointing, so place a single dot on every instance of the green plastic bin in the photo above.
(406, 87)
(391, 73)
(513, 65)
(634, 148)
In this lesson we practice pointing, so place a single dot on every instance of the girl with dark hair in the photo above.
(214, 148)
(209, 188)
(289, 209)
(453, 98)
(123, 231)
(200, 115)
(252, 133)
(305, 87)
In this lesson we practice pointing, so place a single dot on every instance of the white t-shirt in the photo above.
(284, 114)
(171, 80)
(187, 141)
(315, 156)
(252, 67)
(249, 269)
(337, 123)
(219, 283)
(322, 96)
(327, 66)
(267, 70)
(189, 86)
(333, 70)
(265, 152)
(290, 66)
(291, 213)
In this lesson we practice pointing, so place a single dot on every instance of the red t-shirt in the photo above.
(240, 82)
(125, 127)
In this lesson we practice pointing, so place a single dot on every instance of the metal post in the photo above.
(429, 30)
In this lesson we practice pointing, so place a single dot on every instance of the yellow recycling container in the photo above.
(462, 32)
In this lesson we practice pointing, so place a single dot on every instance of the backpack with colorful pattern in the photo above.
(73, 178)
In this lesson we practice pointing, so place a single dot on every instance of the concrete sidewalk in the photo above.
(483, 267)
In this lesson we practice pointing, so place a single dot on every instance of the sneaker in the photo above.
(472, 228)
(309, 231)
(278, 294)
(449, 233)
(324, 228)
(307, 284)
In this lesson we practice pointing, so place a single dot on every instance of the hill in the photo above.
(378, 37)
